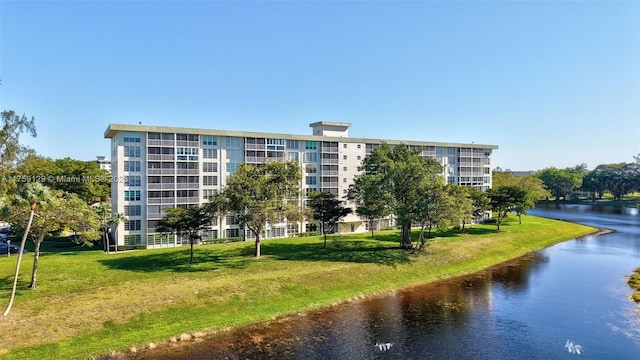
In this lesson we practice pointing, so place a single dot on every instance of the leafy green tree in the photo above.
(327, 210)
(11, 150)
(62, 211)
(431, 206)
(620, 179)
(187, 223)
(479, 203)
(115, 220)
(460, 209)
(561, 182)
(504, 199)
(400, 172)
(29, 195)
(371, 202)
(103, 210)
(258, 195)
(83, 178)
(595, 183)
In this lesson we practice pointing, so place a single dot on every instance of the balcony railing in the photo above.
(329, 161)
(187, 143)
(187, 171)
(167, 200)
(330, 172)
(160, 171)
(255, 147)
(187, 186)
(157, 186)
(166, 157)
(188, 200)
(156, 142)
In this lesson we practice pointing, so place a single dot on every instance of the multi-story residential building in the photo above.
(155, 167)
(104, 163)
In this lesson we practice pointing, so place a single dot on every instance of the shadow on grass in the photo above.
(358, 251)
(205, 259)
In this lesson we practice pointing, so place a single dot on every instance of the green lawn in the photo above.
(89, 303)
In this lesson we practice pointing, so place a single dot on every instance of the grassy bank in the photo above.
(89, 303)
(634, 283)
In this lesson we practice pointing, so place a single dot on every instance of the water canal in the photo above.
(567, 301)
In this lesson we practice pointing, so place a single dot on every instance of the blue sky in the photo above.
(551, 83)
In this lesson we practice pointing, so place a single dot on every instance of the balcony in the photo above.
(254, 159)
(166, 157)
(329, 172)
(187, 186)
(329, 184)
(157, 142)
(188, 172)
(329, 161)
(186, 143)
(329, 149)
(255, 147)
(161, 186)
(156, 201)
(188, 200)
(160, 171)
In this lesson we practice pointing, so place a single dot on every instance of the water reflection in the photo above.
(524, 309)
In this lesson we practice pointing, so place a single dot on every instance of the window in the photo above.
(209, 140)
(231, 233)
(292, 156)
(359, 146)
(292, 144)
(230, 220)
(209, 167)
(344, 180)
(131, 195)
(209, 153)
(133, 239)
(207, 193)
(344, 157)
(132, 210)
(344, 146)
(133, 137)
(310, 145)
(311, 180)
(133, 180)
(275, 144)
(232, 142)
(311, 169)
(209, 180)
(359, 157)
(132, 151)
(132, 166)
(451, 151)
(235, 156)
(132, 225)
(311, 157)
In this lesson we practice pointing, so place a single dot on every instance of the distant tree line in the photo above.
(617, 179)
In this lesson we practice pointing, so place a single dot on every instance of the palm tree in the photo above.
(33, 194)
(115, 220)
(104, 211)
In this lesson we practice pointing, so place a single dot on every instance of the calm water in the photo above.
(525, 309)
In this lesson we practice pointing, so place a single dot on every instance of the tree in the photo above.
(103, 210)
(460, 209)
(479, 202)
(561, 182)
(258, 195)
(84, 178)
(115, 220)
(327, 210)
(62, 211)
(431, 206)
(31, 195)
(10, 148)
(595, 183)
(400, 171)
(621, 178)
(504, 199)
(187, 223)
(371, 202)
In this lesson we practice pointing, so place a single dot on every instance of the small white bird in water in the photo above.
(573, 348)
(384, 346)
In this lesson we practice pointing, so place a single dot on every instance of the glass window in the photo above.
(311, 180)
(292, 144)
(209, 180)
(132, 210)
(210, 167)
(132, 195)
(133, 137)
(311, 169)
(292, 156)
(310, 145)
(210, 153)
(133, 180)
(232, 142)
(132, 166)
(311, 157)
(132, 151)
(209, 140)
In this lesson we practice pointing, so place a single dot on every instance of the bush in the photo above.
(128, 247)
(305, 234)
(221, 240)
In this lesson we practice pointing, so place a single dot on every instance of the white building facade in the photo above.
(155, 167)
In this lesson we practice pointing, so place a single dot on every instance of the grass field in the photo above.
(89, 303)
